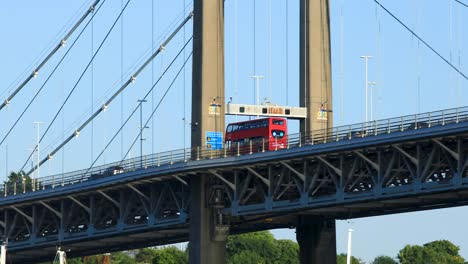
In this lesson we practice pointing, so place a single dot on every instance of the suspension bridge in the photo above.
(205, 192)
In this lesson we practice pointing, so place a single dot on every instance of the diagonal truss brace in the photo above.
(228, 183)
(362, 156)
(57, 213)
(109, 198)
(29, 218)
(86, 208)
(135, 189)
(406, 154)
(256, 174)
(335, 169)
(300, 175)
(451, 152)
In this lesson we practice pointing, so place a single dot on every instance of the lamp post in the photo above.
(371, 87)
(348, 256)
(257, 87)
(38, 152)
(217, 107)
(366, 58)
(141, 130)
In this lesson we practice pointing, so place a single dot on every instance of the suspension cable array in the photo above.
(137, 107)
(50, 75)
(422, 40)
(157, 106)
(62, 43)
(461, 3)
(109, 101)
(76, 83)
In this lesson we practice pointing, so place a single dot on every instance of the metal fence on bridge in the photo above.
(323, 136)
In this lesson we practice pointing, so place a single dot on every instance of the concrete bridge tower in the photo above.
(316, 237)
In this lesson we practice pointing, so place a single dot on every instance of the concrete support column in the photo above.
(317, 240)
(207, 118)
(208, 71)
(205, 246)
(315, 65)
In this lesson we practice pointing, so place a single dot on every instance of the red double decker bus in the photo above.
(256, 135)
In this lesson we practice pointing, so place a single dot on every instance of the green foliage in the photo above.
(170, 255)
(288, 252)
(436, 252)
(341, 259)
(262, 243)
(74, 261)
(384, 260)
(261, 247)
(122, 258)
(146, 255)
(18, 183)
(246, 257)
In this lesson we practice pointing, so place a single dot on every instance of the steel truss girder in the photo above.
(345, 180)
(376, 173)
(88, 215)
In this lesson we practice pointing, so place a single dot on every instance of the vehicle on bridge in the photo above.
(257, 135)
(112, 170)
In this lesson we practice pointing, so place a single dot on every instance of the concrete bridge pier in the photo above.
(317, 240)
(207, 237)
(316, 237)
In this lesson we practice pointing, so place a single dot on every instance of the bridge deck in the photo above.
(390, 166)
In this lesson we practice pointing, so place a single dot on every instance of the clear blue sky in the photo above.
(410, 79)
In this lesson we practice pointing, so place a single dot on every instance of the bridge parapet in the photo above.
(386, 172)
(323, 136)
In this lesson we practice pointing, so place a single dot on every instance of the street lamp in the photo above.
(141, 130)
(371, 88)
(38, 151)
(216, 107)
(348, 256)
(366, 58)
(257, 87)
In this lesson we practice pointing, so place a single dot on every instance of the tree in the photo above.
(146, 255)
(122, 258)
(341, 259)
(288, 252)
(436, 252)
(384, 260)
(170, 255)
(246, 257)
(262, 243)
(18, 182)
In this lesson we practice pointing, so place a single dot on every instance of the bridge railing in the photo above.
(322, 136)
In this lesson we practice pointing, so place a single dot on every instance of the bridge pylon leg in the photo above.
(317, 240)
(207, 244)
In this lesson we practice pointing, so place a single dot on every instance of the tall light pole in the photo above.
(38, 151)
(257, 87)
(348, 257)
(371, 87)
(141, 130)
(366, 58)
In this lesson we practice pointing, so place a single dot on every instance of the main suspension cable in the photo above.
(77, 82)
(422, 40)
(51, 54)
(109, 101)
(50, 75)
(461, 3)
(137, 107)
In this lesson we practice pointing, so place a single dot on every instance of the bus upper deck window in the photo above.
(278, 122)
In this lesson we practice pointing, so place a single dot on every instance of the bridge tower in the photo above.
(316, 237)
(206, 244)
